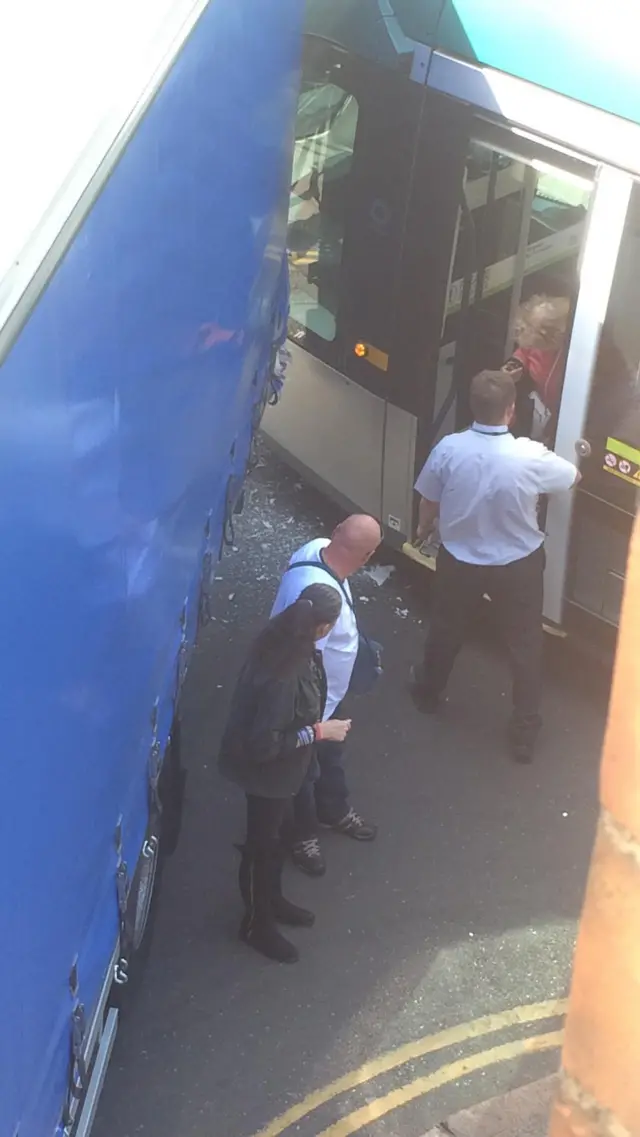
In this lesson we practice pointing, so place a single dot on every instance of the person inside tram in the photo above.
(275, 720)
(537, 366)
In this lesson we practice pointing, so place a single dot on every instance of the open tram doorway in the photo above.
(531, 270)
(514, 275)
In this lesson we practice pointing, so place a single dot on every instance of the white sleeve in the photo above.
(429, 483)
(294, 582)
(555, 474)
(291, 586)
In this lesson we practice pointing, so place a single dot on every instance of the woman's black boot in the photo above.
(258, 928)
(284, 911)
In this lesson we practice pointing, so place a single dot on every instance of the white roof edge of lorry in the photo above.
(64, 192)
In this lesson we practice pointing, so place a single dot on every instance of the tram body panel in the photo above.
(398, 475)
(332, 430)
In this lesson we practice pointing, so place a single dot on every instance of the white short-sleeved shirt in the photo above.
(487, 484)
(340, 648)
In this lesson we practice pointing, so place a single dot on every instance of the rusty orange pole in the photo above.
(599, 1093)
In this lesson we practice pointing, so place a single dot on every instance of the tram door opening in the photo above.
(514, 281)
(513, 277)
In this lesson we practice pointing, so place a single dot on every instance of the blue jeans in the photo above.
(324, 795)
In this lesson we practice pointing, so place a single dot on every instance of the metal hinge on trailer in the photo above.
(154, 768)
(183, 653)
(123, 884)
(233, 506)
(98, 1075)
(205, 614)
(91, 1046)
(206, 581)
(81, 1116)
(77, 1081)
(121, 969)
(132, 925)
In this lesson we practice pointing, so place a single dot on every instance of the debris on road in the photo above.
(379, 574)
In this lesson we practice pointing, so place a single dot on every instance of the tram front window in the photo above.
(325, 137)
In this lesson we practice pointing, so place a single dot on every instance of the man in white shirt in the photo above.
(324, 797)
(483, 485)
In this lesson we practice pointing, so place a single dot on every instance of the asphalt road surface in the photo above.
(435, 974)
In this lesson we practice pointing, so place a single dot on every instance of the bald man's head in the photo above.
(354, 542)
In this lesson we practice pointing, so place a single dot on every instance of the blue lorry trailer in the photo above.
(138, 325)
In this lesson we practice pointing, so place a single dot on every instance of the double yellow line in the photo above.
(409, 1052)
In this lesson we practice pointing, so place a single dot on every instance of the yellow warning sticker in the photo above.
(623, 461)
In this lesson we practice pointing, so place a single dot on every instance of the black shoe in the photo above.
(307, 856)
(268, 941)
(352, 825)
(424, 700)
(287, 913)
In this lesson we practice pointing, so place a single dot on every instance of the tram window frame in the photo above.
(317, 177)
(377, 198)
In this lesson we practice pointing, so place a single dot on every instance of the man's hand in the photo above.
(424, 532)
(335, 730)
(514, 368)
(427, 517)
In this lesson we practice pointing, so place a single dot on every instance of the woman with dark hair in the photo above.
(267, 747)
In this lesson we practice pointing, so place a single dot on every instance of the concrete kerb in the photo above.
(520, 1113)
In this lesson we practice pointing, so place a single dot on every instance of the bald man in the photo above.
(324, 798)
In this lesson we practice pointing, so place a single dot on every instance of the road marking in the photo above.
(378, 1108)
(429, 1044)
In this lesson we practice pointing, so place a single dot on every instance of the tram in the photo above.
(455, 161)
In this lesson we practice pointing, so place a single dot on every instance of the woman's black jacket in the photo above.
(263, 749)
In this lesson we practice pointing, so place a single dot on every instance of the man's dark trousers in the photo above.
(324, 795)
(516, 590)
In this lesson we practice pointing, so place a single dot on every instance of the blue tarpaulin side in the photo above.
(120, 404)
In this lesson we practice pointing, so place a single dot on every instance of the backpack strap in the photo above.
(324, 568)
(371, 645)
